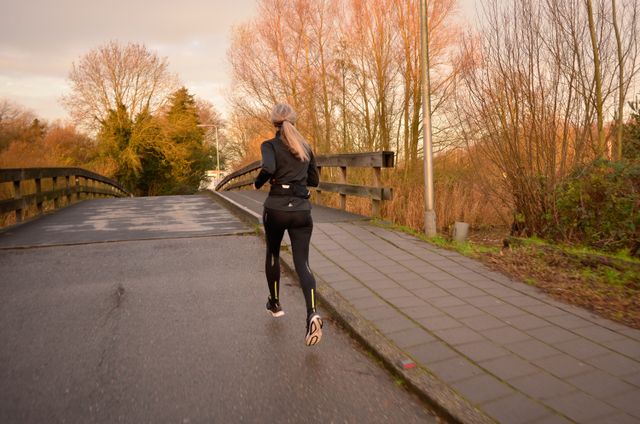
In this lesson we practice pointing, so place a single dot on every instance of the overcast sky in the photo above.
(39, 40)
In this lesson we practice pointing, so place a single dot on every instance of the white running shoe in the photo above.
(314, 330)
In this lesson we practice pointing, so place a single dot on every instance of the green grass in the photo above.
(466, 248)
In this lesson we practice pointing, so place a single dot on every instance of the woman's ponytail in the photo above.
(283, 115)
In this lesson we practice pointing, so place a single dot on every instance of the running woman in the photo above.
(289, 165)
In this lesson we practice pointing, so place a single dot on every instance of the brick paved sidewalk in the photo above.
(509, 350)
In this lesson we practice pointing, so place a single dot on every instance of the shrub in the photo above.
(599, 206)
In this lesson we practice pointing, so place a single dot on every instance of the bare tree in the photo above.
(114, 74)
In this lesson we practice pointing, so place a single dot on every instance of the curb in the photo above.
(447, 403)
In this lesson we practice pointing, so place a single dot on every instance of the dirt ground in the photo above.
(606, 285)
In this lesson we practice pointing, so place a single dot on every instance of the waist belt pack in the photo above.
(296, 190)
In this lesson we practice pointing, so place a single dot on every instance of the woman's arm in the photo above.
(268, 165)
(313, 176)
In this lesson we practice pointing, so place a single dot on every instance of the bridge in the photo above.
(151, 310)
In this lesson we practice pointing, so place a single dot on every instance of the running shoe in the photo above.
(314, 329)
(273, 306)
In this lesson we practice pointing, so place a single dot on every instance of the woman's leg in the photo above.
(300, 231)
(274, 231)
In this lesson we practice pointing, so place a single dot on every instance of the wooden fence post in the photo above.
(342, 179)
(38, 192)
(17, 189)
(375, 204)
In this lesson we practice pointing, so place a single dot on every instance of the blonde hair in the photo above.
(283, 115)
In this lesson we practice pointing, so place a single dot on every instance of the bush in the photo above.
(599, 206)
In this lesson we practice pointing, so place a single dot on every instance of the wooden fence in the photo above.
(374, 160)
(67, 184)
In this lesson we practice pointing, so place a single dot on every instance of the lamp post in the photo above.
(429, 213)
(217, 149)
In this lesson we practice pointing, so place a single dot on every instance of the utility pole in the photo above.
(429, 213)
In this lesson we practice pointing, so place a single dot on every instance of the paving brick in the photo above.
(563, 366)
(627, 347)
(357, 293)
(482, 350)
(417, 312)
(451, 284)
(601, 385)
(568, 321)
(484, 301)
(407, 302)
(504, 311)
(509, 367)
(580, 407)
(411, 337)
(439, 323)
(418, 283)
(345, 285)
(515, 409)
(633, 379)
(431, 352)
(542, 386)
(627, 402)
(532, 349)
(482, 322)
(482, 388)
(505, 335)
(382, 283)
(463, 311)
(379, 312)
(630, 332)
(391, 325)
(581, 348)
(524, 300)
(619, 418)
(552, 334)
(544, 311)
(551, 419)
(598, 334)
(484, 284)
(454, 369)
(391, 293)
(429, 292)
(368, 302)
(459, 335)
(615, 364)
(446, 302)
(405, 276)
(526, 322)
(502, 292)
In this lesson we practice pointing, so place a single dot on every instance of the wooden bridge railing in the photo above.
(67, 184)
(373, 160)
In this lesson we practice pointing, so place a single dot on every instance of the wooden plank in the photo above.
(240, 172)
(21, 174)
(383, 159)
(376, 193)
(239, 184)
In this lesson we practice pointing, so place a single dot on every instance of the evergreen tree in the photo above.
(631, 137)
(191, 156)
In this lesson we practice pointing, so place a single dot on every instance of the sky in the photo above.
(40, 39)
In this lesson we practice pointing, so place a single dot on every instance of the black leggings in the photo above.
(300, 225)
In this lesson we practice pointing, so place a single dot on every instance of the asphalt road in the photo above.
(171, 330)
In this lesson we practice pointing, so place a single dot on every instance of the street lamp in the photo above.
(217, 149)
(429, 213)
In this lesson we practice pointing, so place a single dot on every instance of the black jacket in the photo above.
(280, 166)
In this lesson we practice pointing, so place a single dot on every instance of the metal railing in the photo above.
(67, 184)
(374, 160)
